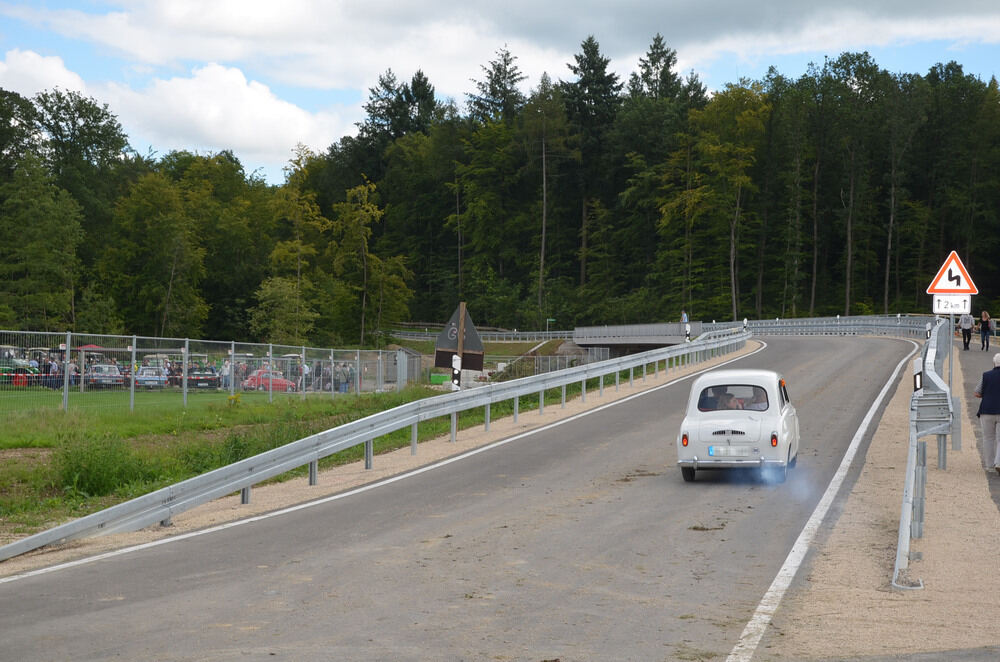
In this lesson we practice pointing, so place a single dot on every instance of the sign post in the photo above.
(952, 288)
(459, 346)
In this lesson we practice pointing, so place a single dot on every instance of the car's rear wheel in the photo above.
(289, 389)
(688, 474)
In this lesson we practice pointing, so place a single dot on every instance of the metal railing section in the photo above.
(932, 412)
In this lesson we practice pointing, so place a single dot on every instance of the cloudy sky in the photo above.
(260, 76)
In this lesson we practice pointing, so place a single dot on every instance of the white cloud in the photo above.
(28, 73)
(216, 108)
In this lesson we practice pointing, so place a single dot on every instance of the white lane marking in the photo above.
(358, 490)
(754, 630)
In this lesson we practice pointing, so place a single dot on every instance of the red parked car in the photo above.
(264, 379)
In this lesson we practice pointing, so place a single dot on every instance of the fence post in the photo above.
(131, 371)
(401, 370)
(232, 368)
(184, 377)
(333, 370)
(270, 372)
(357, 373)
(302, 374)
(66, 361)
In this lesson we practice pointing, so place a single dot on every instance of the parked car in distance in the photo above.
(203, 379)
(738, 419)
(103, 375)
(150, 377)
(18, 372)
(264, 379)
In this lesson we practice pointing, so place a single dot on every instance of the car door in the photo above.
(789, 418)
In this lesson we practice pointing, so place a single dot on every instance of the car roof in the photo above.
(736, 376)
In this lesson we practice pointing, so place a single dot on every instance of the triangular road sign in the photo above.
(952, 278)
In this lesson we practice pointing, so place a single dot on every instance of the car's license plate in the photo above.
(728, 451)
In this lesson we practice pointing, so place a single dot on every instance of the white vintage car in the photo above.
(739, 419)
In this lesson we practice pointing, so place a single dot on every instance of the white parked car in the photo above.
(739, 419)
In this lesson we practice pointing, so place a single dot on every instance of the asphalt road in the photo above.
(581, 542)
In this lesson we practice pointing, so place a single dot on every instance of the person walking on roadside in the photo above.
(965, 323)
(989, 413)
(984, 330)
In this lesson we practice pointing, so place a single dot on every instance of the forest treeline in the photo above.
(584, 200)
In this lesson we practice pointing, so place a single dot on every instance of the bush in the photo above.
(99, 467)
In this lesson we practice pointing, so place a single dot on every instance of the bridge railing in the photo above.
(932, 412)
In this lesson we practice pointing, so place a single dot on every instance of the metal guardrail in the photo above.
(163, 504)
(489, 336)
(932, 412)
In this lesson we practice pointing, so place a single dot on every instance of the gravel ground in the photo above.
(842, 605)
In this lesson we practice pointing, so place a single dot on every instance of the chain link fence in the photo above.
(45, 371)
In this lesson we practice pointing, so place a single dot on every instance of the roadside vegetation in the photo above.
(57, 465)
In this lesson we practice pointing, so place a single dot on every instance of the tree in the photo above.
(730, 129)
(353, 262)
(656, 78)
(82, 142)
(592, 101)
(38, 261)
(18, 119)
(153, 264)
(499, 99)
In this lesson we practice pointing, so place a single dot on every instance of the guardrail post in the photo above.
(454, 425)
(956, 423)
(643, 372)
(413, 439)
(369, 453)
(245, 496)
(618, 375)
(583, 391)
(600, 392)
(919, 488)
(517, 403)
(541, 402)
(313, 472)
(487, 416)
(631, 373)
(563, 397)
(942, 451)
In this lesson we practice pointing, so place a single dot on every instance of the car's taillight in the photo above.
(684, 439)
(774, 440)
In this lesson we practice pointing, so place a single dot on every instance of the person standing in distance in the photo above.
(684, 316)
(984, 330)
(989, 413)
(965, 323)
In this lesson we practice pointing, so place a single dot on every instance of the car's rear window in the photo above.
(733, 396)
